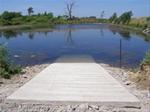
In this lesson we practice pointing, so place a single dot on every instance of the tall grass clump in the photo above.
(7, 69)
(146, 60)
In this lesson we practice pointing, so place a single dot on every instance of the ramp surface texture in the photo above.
(75, 79)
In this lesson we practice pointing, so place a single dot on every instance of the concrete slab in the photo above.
(75, 79)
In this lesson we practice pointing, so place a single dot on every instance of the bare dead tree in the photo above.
(70, 4)
(102, 14)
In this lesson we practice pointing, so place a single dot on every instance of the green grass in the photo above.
(140, 23)
(146, 60)
(39, 20)
(7, 69)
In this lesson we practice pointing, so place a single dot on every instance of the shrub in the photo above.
(17, 21)
(41, 20)
(146, 60)
(7, 69)
(5, 22)
(10, 15)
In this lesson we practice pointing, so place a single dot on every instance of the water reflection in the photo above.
(7, 34)
(10, 34)
(31, 35)
(123, 33)
(147, 39)
(1, 34)
(101, 31)
(117, 47)
(68, 32)
(126, 33)
(121, 53)
(46, 33)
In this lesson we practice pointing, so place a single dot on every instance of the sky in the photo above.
(83, 7)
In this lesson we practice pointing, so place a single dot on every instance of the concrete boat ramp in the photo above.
(75, 79)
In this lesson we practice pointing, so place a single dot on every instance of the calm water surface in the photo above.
(105, 43)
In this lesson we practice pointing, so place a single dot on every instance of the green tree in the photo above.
(7, 17)
(50, 15)
(102, 14)
(125, 18)
(10, 15)
(113, 18)
(30, 11)
(148, 21)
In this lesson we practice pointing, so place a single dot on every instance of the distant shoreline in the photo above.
(49, 27)
(24, 27)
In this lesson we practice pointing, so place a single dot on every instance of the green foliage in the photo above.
(141, 23)
(126, 17)
(113, 18)
(50, 15)
(17, 21)
(10, 18)
(30, 11)
(15, 18)
(146, 60)
(10, 15)
(148, 22)
(47, 19)
(6, 68)
(3, 54)
(42, 19)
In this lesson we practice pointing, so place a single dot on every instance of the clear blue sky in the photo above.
(83, 7)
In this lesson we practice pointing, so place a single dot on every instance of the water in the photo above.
(107, 44)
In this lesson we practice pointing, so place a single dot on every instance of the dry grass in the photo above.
(141, 23)
(142, 77)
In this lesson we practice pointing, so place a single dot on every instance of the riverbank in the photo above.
(25, 27)
(45, 26)
(7, 87)
(135, 29)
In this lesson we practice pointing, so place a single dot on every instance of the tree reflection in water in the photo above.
(101, 31)
(125, 34)
(31, 35)
(69, 40)
(9, 34)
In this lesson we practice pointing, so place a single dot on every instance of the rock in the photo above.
(132, 107)
(82, 108)
(94, 107)
(69, 108)
(16, 56)
(147, 31)
(74, 107)
(127, 82)
(32, 56)
(24, 76)
(1, 82)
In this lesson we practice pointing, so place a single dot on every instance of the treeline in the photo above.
(8, 18)
(48, 19)
(126, 19)
(16, 18)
